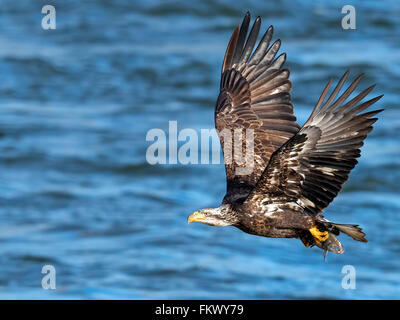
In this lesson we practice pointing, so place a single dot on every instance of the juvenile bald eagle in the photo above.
(297, 170)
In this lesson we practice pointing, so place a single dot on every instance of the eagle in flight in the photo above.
(297, 171)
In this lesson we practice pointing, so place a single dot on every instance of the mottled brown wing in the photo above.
(309, 170)
(254, 94)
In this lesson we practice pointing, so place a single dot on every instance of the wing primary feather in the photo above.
(262, 46)
(347, 93)
(335, 91)
(277, 64)
(270, 54)
(356, 99)
(348, 115)
(251, 40)
(242, 38)
(364, 105)
(230, 50)
(319, 103)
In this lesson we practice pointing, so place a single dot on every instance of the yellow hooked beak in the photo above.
(196, 217)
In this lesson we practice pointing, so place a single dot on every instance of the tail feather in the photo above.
(352, 230)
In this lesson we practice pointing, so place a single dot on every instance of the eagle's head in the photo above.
(219, 217)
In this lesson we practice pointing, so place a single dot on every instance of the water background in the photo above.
(76, 190)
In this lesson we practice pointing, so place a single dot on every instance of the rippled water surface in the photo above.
(77, 192)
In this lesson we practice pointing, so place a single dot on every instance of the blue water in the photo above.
(78, 194)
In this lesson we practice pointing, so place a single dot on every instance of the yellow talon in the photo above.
(319, 236)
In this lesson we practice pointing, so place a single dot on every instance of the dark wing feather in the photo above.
(254, 94)
(310, 169)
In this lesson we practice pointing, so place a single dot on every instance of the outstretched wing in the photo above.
(254, 94)
(309, 170)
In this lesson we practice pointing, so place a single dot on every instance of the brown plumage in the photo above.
(297, 171)
(254, 94)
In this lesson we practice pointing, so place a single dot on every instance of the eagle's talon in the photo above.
(319, 236)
